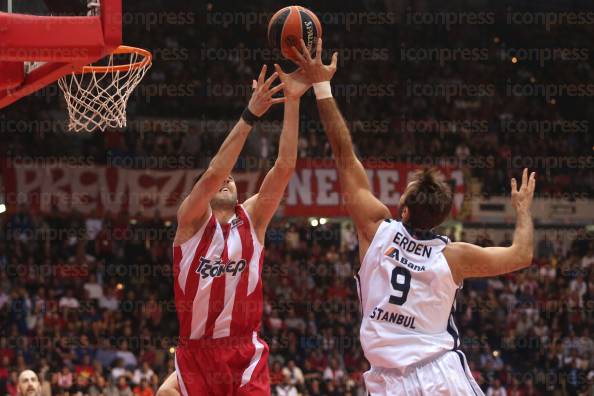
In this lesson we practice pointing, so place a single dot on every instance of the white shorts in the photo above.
(447, 375)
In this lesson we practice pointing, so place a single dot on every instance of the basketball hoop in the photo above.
(97, 95)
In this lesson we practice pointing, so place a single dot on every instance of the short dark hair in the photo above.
(429, 200)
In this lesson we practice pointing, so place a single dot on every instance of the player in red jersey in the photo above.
(218, 252)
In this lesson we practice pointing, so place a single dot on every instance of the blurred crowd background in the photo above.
(87, 302)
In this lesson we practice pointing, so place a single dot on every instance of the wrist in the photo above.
(249, 117)
(323, 90)
(523, 212)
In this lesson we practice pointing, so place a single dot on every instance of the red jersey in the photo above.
(217, 280)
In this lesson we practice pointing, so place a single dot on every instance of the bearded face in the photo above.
(29, 384)
(226, 197)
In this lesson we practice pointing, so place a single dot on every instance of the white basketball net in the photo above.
(98, 99)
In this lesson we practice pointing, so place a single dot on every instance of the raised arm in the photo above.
(365, 209)
(262, 206)
(470, 261)
(195, 208)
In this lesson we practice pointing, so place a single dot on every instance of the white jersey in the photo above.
(407, 297)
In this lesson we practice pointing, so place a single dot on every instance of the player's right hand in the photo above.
(295, 84)
(522, 198)
(262, 99)
(314, 69)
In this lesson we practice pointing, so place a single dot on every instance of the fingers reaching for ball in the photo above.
(262, 76)
(318, 50)
(305, 50)
(262, 99)
(314, 69)
(295, 84)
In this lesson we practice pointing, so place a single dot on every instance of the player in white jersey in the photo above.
(409, 275)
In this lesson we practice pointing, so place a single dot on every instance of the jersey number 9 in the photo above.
(400, 284)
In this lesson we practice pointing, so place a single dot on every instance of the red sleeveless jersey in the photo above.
(217, 280)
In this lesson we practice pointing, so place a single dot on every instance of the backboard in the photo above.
(43, 40)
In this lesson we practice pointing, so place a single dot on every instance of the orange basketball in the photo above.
(290, 24)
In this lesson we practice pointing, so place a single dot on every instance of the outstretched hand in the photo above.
(522, 198)
(294, 84)
(262, 99)
(314, 69)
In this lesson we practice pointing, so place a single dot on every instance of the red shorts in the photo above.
(223, 367)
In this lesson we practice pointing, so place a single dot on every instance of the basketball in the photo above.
(290, 24)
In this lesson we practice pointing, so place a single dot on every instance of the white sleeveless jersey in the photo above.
(407, 297)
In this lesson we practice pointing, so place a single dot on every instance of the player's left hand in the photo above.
(295, 84)
(314, 69)
(522, 198)
(262, 99)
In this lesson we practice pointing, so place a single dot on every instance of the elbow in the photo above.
(528, 259)
(525, 258)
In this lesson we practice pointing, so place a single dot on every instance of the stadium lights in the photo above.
(314, 222)
(2, 208)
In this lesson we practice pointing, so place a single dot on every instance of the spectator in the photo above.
(98, 386)
(109, 301)
(85, 368)
(119, 388)
(294, 373)
(293, 322)
(579, 287)
(143, 389)
(126, 356)
(12, 384)
(105, 354)
(496, 389)
(93, 289)
(286, 388)
(276, 374)
(143, 373)
(333, 372)
(68, 301)
(28, 384)
(120, 371)
(64, 379)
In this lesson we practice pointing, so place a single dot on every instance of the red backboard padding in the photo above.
(12, 74)
(65, 43)
(50, 39)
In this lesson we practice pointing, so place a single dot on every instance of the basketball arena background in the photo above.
(480, 89)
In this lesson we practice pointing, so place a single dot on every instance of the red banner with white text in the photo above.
(313, 190)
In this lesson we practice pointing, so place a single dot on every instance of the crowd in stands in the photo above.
(481, 112)
(88, 304)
